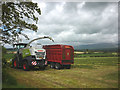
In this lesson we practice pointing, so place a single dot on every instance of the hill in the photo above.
(100, 47)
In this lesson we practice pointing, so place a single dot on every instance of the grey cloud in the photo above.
(93, 23)
(52, 28)
(96, 5)
(70, 7)
(50, 6)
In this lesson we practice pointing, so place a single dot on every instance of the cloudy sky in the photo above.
(77, 23)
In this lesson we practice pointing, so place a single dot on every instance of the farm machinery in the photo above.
(59, 56)
(28, 56)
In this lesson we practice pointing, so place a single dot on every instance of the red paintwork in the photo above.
(24, 66)
(40, 50)
(55, 53)
(15, 63)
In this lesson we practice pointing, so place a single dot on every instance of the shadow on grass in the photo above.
(9, 81)
(7, 78)
(73, 66)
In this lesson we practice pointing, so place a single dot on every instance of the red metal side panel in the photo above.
(62, 54)
(54, 53)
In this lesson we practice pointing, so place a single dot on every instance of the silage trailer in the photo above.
(59, 56)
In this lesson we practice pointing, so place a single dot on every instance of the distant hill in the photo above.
(101, 46)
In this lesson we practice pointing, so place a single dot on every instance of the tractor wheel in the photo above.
(68, 66)
(31, 67)
(12, 65)
(15, 64)
(58, 66)
(25, 66)
(42, 67)
(52, 65)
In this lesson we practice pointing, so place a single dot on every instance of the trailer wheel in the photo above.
(68, 66)
(52, 65)
(58, 66)
(25, 66)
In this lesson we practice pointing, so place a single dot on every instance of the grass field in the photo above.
(87, 72)
(96, 55)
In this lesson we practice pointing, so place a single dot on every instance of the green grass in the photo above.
(111, 76)
(8, 81)
(13, 86)
(111, 61)
(87, 72)
(96, 55)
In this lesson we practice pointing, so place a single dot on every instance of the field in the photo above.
(96, 55)
(86, 72)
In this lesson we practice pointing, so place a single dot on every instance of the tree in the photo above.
(14, 20)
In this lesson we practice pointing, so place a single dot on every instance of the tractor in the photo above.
(28, 57)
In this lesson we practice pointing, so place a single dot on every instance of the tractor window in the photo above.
(17, 47)
(22, 46)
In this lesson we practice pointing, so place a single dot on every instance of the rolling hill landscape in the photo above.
(99, 46)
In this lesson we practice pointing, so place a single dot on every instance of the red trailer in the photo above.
(59, 56)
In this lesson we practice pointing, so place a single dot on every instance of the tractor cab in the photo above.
(20, 45)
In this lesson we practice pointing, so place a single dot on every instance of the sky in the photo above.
(76, 23)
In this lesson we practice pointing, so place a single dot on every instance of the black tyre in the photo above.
(31, 67)
(58, 66)
(42, 67)
(25, 66)
(12, 65)
(68, 66)
(52, 65)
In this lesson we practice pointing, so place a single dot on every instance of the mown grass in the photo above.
(8, 81)
(110, 54)
(87, 72)
(112, 61)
